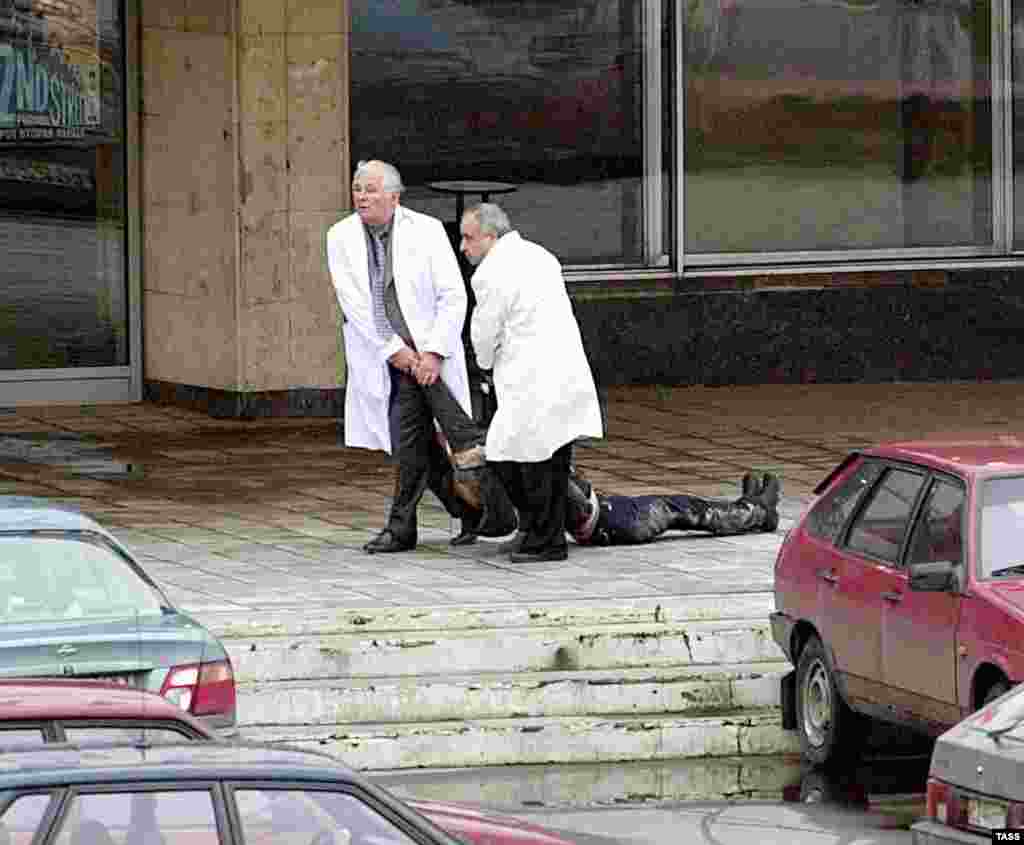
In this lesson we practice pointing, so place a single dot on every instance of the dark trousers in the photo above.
(539, 490)
(421, 462)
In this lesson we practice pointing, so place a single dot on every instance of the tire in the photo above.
(994, 691)
(828, 728)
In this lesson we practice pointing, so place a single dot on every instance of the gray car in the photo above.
(73, 603)
(976, 778)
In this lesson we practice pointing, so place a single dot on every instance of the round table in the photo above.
(461, 187)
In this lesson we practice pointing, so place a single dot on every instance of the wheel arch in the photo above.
(985, 676)
(802, 632)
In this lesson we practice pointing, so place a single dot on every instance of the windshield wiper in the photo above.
(1015, 569)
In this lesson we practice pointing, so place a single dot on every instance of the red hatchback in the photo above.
(899, 593)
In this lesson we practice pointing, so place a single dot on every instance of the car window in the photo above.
(938, 533)
(47, 578)
(830, 513)
(20, 820)
(163, 817)
(880, 527)
(1001, 526)
(313, 817)
(111, 735)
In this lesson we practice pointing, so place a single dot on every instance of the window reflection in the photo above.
(820, 124)
(62, 284)
(567, 100)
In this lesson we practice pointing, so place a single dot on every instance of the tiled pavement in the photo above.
(267, 517)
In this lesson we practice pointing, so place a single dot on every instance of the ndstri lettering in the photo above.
(29, 87)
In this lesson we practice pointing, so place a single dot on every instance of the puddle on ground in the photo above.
(890, 786)
(73, 454)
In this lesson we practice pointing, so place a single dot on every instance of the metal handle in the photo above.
(828, 575)
(892, 596)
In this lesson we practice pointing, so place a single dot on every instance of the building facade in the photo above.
(740, 190)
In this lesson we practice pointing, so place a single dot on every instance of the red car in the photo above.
(52, 710)
(899, 593)
(39, 713)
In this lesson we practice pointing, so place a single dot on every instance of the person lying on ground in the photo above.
(608, 520)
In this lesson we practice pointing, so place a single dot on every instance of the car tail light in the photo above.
(201, 689)
(943, 804)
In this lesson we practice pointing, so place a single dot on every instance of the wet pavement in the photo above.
(248, 516)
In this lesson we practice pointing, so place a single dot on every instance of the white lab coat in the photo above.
(524, 328)
(433, 299)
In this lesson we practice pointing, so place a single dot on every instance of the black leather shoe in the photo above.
(539, 557)
(463, 538)
(388, 542)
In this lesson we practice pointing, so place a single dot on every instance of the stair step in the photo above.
(569, 739)
(322, 621)
(436, 651)
(512, 788)
(431, 698)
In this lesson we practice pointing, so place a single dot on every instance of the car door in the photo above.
(870, 553)
(919, 628)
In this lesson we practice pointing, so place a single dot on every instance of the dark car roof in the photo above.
(187, 761)
(55, 698)
(970, 456)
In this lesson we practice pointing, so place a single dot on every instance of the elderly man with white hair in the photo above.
(404, 305)
(523, 327)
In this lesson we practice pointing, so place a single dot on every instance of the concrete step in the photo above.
(685, 690)
(524, 649)
(590, 784)
(322, 621)
(568, 739)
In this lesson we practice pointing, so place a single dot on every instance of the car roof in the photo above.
(30, 699)
(969, 455)
(33, 513)
(174, 763)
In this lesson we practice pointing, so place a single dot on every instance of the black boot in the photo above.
(768, 498)
(401, 530)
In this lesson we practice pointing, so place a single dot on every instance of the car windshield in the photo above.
(64, 577)
(1001, 526)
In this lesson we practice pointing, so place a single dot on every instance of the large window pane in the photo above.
(63, 299)
(825, 125)
(568, 100)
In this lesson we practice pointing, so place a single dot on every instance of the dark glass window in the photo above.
(938, 534)
(63, 291)
(879, 529)
(830, 513)
(822, 125)
(570, 101)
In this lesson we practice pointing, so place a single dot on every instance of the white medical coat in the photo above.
(524, 328)
(433, 298)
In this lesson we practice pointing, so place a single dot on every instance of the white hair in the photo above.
(392, 178)
(492, 219)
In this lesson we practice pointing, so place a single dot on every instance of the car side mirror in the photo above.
(935, 576)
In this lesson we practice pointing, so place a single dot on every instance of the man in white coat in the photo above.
(404, 304)
(523, 327)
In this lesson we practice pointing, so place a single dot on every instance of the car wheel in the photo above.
(827, 726)
(994, 691)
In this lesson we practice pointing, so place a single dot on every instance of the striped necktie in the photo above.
(380, 317)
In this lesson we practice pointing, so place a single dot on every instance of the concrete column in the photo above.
(245, 133)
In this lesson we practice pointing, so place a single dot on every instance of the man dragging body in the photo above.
(597, 519)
